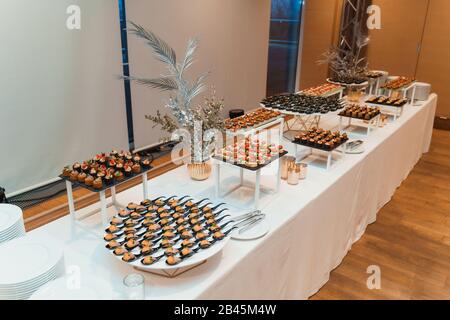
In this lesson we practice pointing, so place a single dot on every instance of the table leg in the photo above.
(103, 208)
(278, 176)
(145, 185)
(330, 156)
(70, 200)
(241, 173)
(113, 195)
(217, 187)
(257, 188)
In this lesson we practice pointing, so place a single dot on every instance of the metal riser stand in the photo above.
(104, 204)
(373, 124)
(258, 190)
(329, 154)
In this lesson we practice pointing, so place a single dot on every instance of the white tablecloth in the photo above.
(313, 225)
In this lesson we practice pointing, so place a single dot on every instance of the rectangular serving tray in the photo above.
(321, 149)
(259, 167)
(106, 187)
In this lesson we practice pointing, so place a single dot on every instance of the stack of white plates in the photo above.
(88, 288)
(11, 222)
(27, 264)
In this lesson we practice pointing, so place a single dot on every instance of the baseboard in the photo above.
(442, 123)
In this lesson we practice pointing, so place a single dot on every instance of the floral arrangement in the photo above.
(184, 114)
(347, 65)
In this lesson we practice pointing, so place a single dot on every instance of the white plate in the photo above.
(91, 288)
(257, 232)
(199, 257)
(28, 258)
(53, 273)
(9, 216)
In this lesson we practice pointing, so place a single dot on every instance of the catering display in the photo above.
(398, 83)
(303, 104)
(170, 233)
(323, 140)
(324, 90)
(103, 172)
(374, 74)
(106, 170)
(360, 112)
(11, 222)
(369, 116)
(250, 153)
(29, 262)
(348, 80)
(387, 101)
(251, 120)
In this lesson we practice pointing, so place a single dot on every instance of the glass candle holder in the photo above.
(134, 286)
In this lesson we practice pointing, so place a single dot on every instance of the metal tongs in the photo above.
(354, 144)
(248, 221)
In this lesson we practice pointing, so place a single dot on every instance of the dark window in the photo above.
(283, 46)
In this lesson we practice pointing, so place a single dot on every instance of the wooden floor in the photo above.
(410, 241)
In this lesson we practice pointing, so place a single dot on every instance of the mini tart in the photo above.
(218, 235)
(164, 222)
(131, 244)
(130, 236)
(124, 213)
(209, 215)
(215, 228)
(149, 236)
(135, 215)
(146, 202)
(129, 230)
(181, 228)
(205, 244)
(159, 203)
(148, 222)
(146, 243)
(110, 237)
(166, 243)
(197, 228)
(113, 229)
(181, 221)
(164, 215)
(74, 176)
(194, 221)
(187, 243)
(186, 252)
(154, 227)
(116, 221)
(119, 251)
(128, 257)
(130, 223)
(147, 251)
(168, 228)
(113, 244)
(89, 180)
(149, 260)
(140, 209)
(173, 260)
(179, 209)
(136, 168)
(132, 206)
(171, 251)
(186, 235)
(161, 210)
(169, 235)
(82, 177)
(194, 215)
(211, 221)
(189, 204)
(200, 236)
(98, 183)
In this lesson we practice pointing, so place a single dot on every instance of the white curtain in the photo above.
(60, 99)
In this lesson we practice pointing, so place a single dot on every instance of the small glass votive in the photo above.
(303, 170)
(293, 175)
(286, 162)
(134, 286)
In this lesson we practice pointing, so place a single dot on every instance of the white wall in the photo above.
(234, 39)
(60, 100)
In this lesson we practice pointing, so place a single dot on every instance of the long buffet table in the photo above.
(313, 225)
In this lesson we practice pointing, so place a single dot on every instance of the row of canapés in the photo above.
(106, 169)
